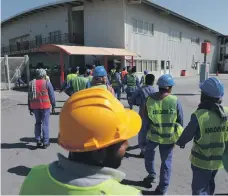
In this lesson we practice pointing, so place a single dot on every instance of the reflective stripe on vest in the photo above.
(208, 150)
(42, 100)
(163, 115)
(40, 182)
(70, 77)
(131, 80)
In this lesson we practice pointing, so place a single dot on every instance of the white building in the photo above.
(164, 40)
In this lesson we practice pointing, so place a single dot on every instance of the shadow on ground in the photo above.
(32, 140)
(17, 145)
(136, 183)
(21, 89)
(127, 155)
(23, 104)
(20, 170)
(132, 147)
(186, 94)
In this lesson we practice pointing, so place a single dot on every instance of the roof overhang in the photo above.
(84, 50)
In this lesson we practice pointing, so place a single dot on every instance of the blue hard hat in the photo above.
(145, 72)
(165, 81)
(99, 71)
(212, 87)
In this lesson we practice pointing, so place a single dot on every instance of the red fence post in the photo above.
(61, 67)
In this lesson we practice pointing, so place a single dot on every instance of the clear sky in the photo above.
(211, 13)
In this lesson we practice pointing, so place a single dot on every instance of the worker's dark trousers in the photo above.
(203, 181)
(166, 153)
(117, 90)
(42, 124)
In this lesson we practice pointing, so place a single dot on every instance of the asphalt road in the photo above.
(19, 155)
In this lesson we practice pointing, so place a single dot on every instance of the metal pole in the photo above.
(61, 67)
(205, 58)
(26, 61)
(106, 63)
(7, 71)
(132, 62)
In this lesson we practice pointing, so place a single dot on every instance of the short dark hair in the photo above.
(73, 70)
(82, 70)
(133, 69)
(149, 80)
(124, 69)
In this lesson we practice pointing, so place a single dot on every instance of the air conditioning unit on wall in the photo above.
(134, 1)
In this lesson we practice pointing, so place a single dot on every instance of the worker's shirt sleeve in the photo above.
(145, 123)
(118, 79)
(180, 115)
(191, 130)
(51, 93)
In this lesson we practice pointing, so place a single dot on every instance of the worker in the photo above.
(100, 79)
(209, 128)
(94, 127)
(123, 74)
(47, 77)
(40, 99)
(80, 82)
(19, 81)
(93, 67)
(139, 98)
(87, 75)
(162, 125)
(116, 83)
(132, 82)
(142, 81)
(66, 84)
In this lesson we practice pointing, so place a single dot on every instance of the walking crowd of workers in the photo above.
(94, 128)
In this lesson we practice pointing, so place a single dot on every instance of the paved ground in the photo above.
(19, 155)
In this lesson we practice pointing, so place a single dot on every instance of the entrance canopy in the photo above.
(84, 50)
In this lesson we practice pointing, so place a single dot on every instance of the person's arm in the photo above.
(180, 115)
(118, 79)
(189, 132)
(145, 126)
(142, 80)
(51, 94)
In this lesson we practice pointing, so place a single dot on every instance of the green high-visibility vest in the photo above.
(40, 182)
(100, 86)
(79, 83)
(208, 150)
(114, 81)
(70, 77)
(131, 80)
(163, 115)
(90, 78)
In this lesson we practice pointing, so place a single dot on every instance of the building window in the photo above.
(145, 28)
(151, 29)
(55, 37)
(139, 66)
(38, 40)
(149, 65)
(195, 41)
(175, 36)
(134, 22)
(144, 67)
(140, 26)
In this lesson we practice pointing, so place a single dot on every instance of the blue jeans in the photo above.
(166, 153)
(203, 181)
(42, 123)
(117, 90)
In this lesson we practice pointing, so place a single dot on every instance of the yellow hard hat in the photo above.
(93, 118)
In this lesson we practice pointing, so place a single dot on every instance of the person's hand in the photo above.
(31, 112)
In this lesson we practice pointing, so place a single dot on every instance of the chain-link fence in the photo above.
(14, 72)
